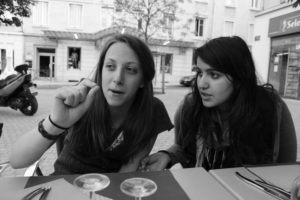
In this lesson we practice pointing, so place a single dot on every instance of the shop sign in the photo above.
(285, 24)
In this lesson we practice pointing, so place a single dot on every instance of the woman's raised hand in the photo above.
(72, 102)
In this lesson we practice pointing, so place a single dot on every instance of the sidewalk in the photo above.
(47, 84)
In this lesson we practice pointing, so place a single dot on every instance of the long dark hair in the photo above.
(231, 56)
(94, 130)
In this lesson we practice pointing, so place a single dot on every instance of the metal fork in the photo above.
(267, 183)
(271, 191)
(45, 194)
(37, 191)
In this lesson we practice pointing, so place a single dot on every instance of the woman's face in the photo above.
(121, 75)
(214, 87)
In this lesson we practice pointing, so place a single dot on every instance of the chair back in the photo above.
(60, 144)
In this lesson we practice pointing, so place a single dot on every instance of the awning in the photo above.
(52, 34)
(68, 35)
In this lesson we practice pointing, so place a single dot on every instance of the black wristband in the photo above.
(45, 134)
(56, 125)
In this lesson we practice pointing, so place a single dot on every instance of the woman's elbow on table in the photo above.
(21, 156)
(17, 161)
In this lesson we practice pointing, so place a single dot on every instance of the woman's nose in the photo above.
(118, 76)
(202, 82)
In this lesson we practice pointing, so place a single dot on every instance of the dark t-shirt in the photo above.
(257, 145)
(109, 160)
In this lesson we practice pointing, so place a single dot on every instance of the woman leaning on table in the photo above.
(228, 120)
(114, 120)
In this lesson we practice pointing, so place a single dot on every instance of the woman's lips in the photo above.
(116, 91)
(205, 95)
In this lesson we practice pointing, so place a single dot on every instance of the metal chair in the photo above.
(34, 169)
(3, 166)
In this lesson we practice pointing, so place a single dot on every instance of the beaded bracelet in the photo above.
(45, 134)
(56, 125)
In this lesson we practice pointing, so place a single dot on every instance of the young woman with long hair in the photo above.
(114, 119)
(228, 119)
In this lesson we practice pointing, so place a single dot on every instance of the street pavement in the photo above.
(16, 124)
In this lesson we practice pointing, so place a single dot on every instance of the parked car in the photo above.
(187, 80)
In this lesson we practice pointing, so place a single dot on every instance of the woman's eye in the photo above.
(109, 66)
(215, 75)
(132, 70)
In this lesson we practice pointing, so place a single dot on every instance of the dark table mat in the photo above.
(167, 186)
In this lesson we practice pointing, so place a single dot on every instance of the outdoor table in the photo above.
(280, 175)
(181, 184)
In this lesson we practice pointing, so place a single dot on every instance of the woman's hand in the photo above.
(72, 102)
(155, 162)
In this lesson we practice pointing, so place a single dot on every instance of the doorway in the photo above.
(46, 63)
(277, 73)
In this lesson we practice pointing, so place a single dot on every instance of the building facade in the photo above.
(276, 48)
(62, 39)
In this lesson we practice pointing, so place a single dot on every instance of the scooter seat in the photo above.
(2, 83)
(12, 85)
(8, 80)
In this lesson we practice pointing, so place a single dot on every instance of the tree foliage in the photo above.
(149, 14)
(11, 11)
(296, 3)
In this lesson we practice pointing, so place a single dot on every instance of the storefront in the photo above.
(72, 58)
(284, 64)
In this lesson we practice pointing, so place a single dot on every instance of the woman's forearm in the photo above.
(31, 146)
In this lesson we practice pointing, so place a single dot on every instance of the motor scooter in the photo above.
(15, 91)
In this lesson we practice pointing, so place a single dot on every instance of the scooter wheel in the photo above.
(30, 105)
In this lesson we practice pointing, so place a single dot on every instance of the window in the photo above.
(140, 24)
(75, 16)
(166, 63)
(199, 27)
(229, 28)
(40, 14)
(250, 33)
(74, 55)
(107, 4)
(168, 24)
(2, 60)
(118, 8)
(230, 3)
(256, 4)
(6, 59)
(284, 70)
(107, 17)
